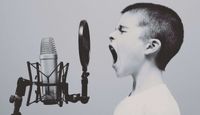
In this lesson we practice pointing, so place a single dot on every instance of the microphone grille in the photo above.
(47, 46)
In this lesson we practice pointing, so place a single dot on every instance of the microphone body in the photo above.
(48, 61)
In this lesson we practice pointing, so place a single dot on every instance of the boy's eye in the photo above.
(121, 29)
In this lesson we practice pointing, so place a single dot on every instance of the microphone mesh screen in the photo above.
(48, 46)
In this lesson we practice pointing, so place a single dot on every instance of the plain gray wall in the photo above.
(24, 22)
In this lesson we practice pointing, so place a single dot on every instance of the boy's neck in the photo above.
(148, 77)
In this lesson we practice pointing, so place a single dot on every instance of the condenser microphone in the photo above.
(48, 62)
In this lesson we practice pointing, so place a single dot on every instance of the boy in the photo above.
(145, 40)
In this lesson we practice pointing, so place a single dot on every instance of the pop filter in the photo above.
(84, 44)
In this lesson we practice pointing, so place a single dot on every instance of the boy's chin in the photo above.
(122, 71)
(121, 74)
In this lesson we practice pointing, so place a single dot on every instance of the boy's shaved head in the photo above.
(162, 23)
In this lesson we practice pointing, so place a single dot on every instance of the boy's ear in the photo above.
(153, 46)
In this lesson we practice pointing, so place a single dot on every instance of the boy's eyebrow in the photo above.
(121, 27)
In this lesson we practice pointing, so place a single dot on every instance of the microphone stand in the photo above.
(83, 97)
(20, 91)
(84, 82)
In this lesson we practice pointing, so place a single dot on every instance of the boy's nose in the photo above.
(111, 38)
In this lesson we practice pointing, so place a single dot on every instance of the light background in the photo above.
(24, 22)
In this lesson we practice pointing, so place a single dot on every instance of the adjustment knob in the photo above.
(12, 99)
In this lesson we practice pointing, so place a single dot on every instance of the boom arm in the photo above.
(20, 91)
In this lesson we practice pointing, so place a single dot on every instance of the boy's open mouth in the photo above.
(114, 53)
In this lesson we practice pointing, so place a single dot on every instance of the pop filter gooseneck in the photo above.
(84, 53)
(84, 44)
